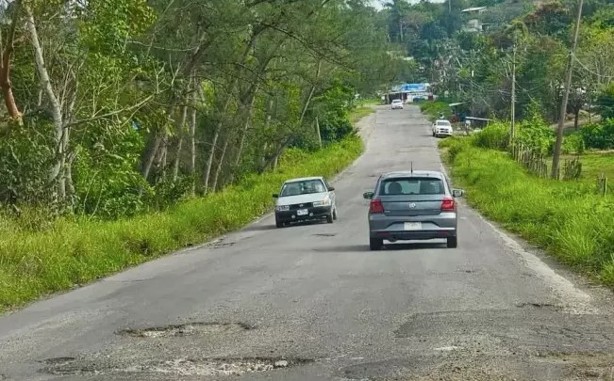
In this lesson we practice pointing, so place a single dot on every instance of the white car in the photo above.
(307, 198)
(442, 127)
(396, 103)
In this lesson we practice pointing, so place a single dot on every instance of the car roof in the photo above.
(303, 179)
(442, 120)
(417, 173)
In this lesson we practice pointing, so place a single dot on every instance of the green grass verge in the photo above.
(361, 111)
(70, 253)
(568, 219)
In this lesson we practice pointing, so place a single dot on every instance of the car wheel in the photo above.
(335, 215)
(329, 218)
(452, 242)
(279, 224)
(376, 243)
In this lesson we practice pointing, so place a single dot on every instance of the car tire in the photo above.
(452, 242)
(279, 224)
(376, 243)
(329, 218)
(335, 215)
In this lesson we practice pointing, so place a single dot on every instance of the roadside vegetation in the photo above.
(571, 218)
(432, 109)
(130, 129)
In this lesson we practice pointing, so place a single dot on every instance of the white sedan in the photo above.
(442, 127)
(308, 198)
(396, 103)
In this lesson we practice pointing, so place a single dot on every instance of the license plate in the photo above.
(302, 212)
(412, 226)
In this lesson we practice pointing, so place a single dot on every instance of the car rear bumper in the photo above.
(316, 212)
(401, 235)
(432, 227)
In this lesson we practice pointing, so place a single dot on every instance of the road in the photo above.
(313, 303)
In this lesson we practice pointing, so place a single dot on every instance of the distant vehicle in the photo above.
(308, 198)
(412, 205)
(396, 103)
(442, 127)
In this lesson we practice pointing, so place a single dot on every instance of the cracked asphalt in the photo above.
(313, 303)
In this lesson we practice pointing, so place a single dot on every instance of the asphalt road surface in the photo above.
(313, 303)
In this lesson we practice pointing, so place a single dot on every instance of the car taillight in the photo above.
(376, 206)
(448, 205)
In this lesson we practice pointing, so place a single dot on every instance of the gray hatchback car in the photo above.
(412, 205)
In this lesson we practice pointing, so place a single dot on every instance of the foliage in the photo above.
(599, 136)
(605, 102)
(566, 218)
(434, 108)
(573, 144)
(77, 251)
(495, 136)
(535, 134)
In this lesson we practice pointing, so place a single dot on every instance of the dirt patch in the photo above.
(190, 329)
(583, 366)
(213, 367)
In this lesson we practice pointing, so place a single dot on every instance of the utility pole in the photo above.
(513, 112)
(559, 132)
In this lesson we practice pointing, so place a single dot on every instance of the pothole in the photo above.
(220, 244)
(190, 329)
(537, 305)
(58, 360)
(325, 234)
(184, 367)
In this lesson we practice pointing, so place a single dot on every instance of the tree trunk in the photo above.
(318, 132)
(5, 68)
(177, 159)
(220, 165)
(193, 144)
(216, 136)
(576, 119)
(61, 137)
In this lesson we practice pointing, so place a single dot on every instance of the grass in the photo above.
(361, 111)
(596, 163)
(568, 219)
(70, 253)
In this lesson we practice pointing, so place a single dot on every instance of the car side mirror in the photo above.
(330, 189)
(458, 192)
(367, 195)
(275, 195)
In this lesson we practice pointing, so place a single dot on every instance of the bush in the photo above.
(495, 136)
(599, 136)
(76, 252)
(535, 134)
(566, 218)
(573, 144)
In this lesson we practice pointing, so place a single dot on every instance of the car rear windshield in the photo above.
(297, 188)
(443, 123)
(412, 186)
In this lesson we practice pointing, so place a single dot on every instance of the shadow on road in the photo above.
(272, 226)
(387, 247)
